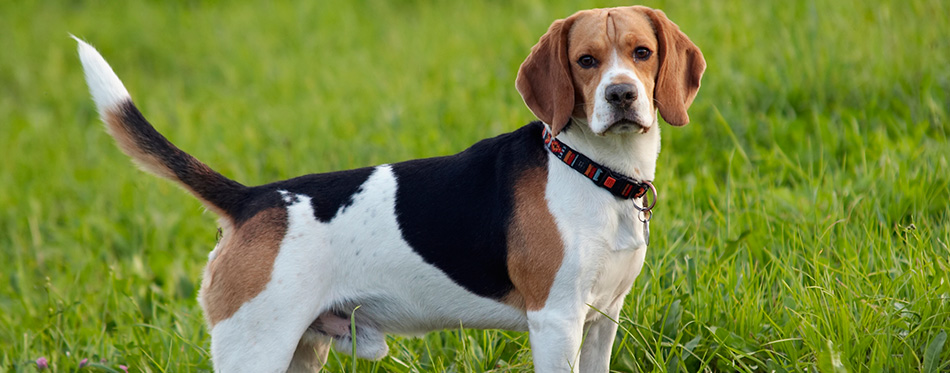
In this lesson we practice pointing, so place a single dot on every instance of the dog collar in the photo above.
(618, 184)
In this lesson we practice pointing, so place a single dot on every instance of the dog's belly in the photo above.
(359, 258)
(399, 316)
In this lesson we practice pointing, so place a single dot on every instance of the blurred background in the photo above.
(803, 224)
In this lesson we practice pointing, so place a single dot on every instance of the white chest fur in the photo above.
(604, 240)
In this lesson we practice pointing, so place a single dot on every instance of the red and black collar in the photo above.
(618, 184)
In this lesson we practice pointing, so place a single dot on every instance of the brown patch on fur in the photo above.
(535, 249)
(514, 298)
(243, 264)
(544, 78)
(681, 68)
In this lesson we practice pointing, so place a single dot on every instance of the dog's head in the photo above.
(612, 69)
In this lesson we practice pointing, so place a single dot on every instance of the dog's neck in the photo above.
(632, 154)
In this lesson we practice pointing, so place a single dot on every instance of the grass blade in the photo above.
(353, 337)
(932, 354)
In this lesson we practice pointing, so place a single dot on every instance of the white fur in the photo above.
(358, 258)
(602, 116)
(631, 153)
(604, 242)
(604, 253)
(106, 88)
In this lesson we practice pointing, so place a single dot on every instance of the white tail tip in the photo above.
(106, 88)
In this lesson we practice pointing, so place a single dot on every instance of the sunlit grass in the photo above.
(804, 219)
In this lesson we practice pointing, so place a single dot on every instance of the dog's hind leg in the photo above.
(257, 344)
(270, 332)
(261, 332)
(311, 353)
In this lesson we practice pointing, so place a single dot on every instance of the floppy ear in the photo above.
(681, 68)
(544, 79)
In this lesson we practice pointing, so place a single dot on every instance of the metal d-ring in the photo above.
(646, 208)
(646, 213)
(644, 216)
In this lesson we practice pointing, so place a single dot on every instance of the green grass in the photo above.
(803, 224)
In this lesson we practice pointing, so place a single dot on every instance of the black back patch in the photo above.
(454, 211)
(329, 193)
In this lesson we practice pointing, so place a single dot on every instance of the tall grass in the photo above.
(804, 219)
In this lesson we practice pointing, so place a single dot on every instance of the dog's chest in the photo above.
(592, 219)
(615, 279)
(605, 245)
(620, 255)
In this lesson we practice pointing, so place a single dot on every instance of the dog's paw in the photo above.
(370, 343)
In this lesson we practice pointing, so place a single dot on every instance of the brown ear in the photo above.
(681, 68)
(544, 79)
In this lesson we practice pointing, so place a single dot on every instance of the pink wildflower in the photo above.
(42, 363)
(124, 368)
(83, 362)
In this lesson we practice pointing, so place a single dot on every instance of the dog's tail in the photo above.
(148, 148)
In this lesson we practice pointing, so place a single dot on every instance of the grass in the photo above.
(803, 224)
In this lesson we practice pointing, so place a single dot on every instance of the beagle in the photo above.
(539, 229)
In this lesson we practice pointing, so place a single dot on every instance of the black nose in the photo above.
(621, 95)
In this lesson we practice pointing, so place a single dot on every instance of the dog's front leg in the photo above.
(599, 340)
(555, 336)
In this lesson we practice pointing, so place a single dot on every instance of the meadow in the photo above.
(804, 215)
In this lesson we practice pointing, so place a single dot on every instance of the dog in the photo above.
(542, 229)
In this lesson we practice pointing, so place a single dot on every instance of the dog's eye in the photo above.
(587, 61)
(642, 53)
